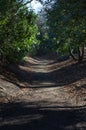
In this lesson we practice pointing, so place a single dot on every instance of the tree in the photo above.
(18, 30)
(67, 22)
(43, 34)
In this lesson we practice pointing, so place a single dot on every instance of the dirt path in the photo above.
(42, 97)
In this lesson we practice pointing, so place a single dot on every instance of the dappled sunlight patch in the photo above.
(32, 60)
(56, 66)
(41, 84)
(28, 69)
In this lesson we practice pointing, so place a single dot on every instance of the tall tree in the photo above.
(18, 30)
(67, 22)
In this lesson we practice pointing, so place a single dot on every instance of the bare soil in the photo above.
(43, 94)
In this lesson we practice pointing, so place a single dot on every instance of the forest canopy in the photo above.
(59, 27)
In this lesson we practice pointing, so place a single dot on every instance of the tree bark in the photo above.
(72, 55)
(80, 54)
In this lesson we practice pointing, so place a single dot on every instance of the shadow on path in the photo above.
(61, 76)
(37, 115)
(31, 116)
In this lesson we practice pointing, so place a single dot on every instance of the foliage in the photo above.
(43, 35)
(67, 24)
(45, 45)
(18, 30)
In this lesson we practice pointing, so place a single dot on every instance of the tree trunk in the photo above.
(72, 55)
(80, 54)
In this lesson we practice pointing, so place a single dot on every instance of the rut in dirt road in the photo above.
(45, 103)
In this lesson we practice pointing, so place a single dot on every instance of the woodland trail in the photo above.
(48, 96)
